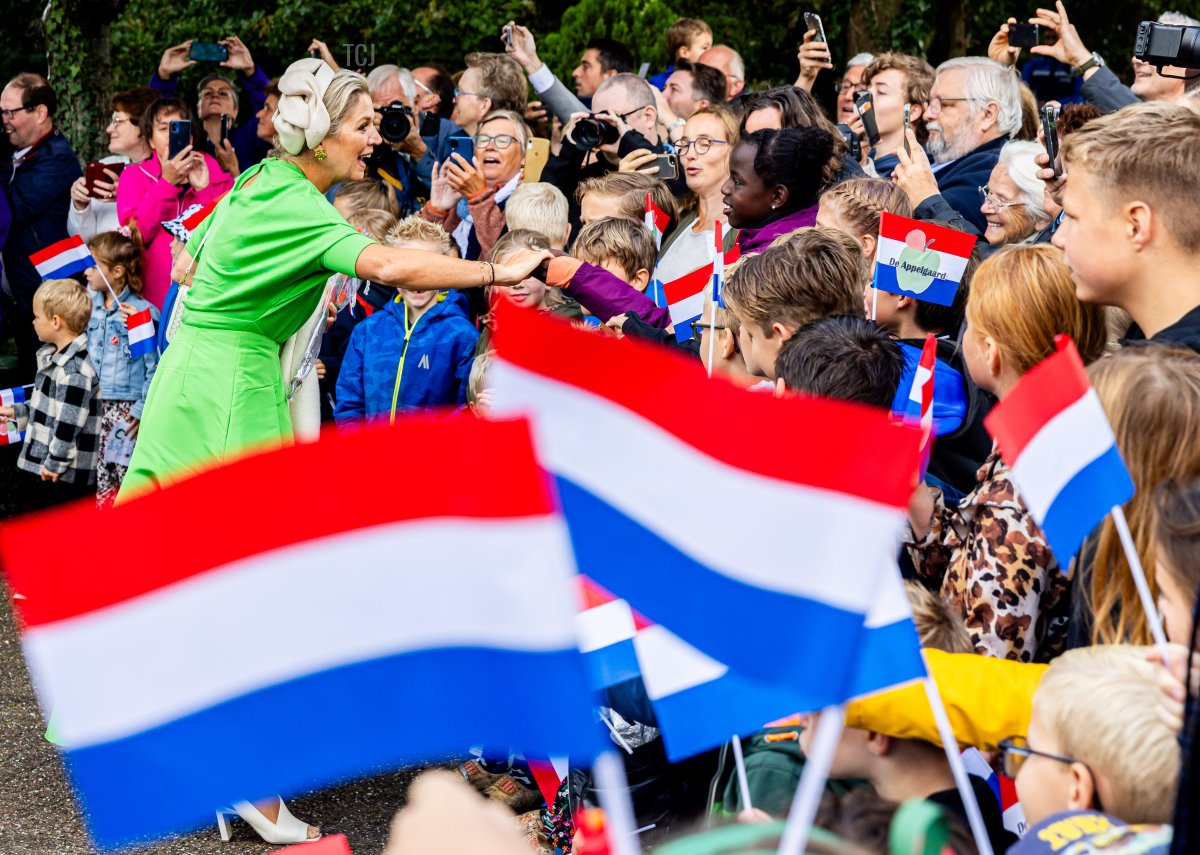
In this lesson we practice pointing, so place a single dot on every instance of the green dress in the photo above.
(218, 390)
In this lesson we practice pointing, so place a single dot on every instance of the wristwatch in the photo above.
(1096, 61)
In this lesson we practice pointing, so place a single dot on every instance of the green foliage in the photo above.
(640, 25)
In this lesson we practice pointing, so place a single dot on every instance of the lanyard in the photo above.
(400, 365)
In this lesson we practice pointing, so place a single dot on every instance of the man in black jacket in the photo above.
(38, 188)
(627, 103)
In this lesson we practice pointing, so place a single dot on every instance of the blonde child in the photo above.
(124, 377)
(542, 208)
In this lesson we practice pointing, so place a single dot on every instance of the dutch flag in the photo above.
(919, 410)
(141, 334)
(920, 260)
(656, 221)
(1052, 431)
(831, 476)
(718, 280)
(63, 259)
(164, 681)
(8, 398)
(685, 296)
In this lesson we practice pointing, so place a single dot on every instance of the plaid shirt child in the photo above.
(62, 419)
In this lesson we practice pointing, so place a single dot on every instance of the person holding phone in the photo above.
(467, 195)
(94, 206)
(894, 81)
(217, 96)
(161, 187)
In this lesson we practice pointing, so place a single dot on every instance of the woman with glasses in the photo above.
(467, 199)
(96, 211)
(1015, 199)
(708, 138)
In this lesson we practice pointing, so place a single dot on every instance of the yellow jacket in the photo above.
(986, 699)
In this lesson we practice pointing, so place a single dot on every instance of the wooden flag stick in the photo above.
(1139, 579)
(812, 781)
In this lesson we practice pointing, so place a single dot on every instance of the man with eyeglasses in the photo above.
(37, 189)
(492, 81)
(974, 109)
(814, 56)
(217, 97)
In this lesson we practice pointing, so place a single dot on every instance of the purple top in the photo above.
(757, 240)
(606, 296)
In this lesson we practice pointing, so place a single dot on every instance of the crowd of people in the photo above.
(392, 211)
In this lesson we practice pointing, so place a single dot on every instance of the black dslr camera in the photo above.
(592, 132)
(395, 121)
(1168, 44)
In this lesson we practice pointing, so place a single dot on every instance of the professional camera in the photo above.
(395, 121)
(1168, 44)
(592, 132)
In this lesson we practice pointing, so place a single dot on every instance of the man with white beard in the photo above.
(974, 109)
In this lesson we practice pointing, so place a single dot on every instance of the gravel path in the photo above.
(39, 816)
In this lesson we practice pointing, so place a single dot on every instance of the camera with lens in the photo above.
(395, 121)
(1168, 44)
(592, 132)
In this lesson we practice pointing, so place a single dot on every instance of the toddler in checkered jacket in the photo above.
(62, 418)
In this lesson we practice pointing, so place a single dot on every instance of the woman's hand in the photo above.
(639, 160)
(1000, 50)
(520, 264)
(465, 178)
(330, 314)
(174, 60)
(323, 49)
(127, 309)
(198, 175)
(175, 171)
(239, 56)
(920, 511)
(227, 157)
(1173, 681)
(79, 194)
(813, 57)
(441, 195)
(131, 431)
(914, 175)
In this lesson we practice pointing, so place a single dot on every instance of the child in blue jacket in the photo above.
(414, 353)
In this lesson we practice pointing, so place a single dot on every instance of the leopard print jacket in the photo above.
(991, 562)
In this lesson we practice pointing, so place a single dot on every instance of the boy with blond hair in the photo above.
(540, 207)
(1129, 228)
(1097, 754)
(687, 38)
(61, 420)
(810, 274)
(622, 194)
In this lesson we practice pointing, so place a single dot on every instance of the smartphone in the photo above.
(179, 137)
(864, 102)
(668, 168)
(508, 35)
(852, 139)
(226, 127)
(812, 21)
(907, 127)
(463, 146)
(537, 152)
(95, 172)
(1023, 35)
(314, 53)
(208, 52)
(1050, 132)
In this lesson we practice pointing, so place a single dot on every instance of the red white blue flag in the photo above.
(919, 411)
(684, 296)
(8, 398)
(141, 334)
(920, 260)
(656, 221)
(1053, 432)
(174, 684)
(63, 259)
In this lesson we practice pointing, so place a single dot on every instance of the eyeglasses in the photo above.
(702, 144)
(994, 201)
(1015, 751)
(935, 104)
(502, 141)
(117, 120)
(697, 326)
(458, 92)
(847, 86)
(8, 115)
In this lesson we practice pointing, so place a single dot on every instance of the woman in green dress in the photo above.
(257, 268)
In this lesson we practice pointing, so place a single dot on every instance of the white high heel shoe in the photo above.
(286, 829)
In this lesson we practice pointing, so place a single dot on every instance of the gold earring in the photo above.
(319, 153)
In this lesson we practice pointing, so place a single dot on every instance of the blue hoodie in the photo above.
(433, 360)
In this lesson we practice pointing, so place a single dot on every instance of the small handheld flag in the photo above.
(908, 264)
(919, 411)
(718, 266)
(656, 221)
(141, 334)
(1052, 431)
(8, 398)
(685, 295)
(63, 259)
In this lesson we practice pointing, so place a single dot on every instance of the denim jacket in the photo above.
(121, 378)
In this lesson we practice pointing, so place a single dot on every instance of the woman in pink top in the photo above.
(158, 189)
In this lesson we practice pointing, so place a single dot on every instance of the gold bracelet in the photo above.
(492, 270)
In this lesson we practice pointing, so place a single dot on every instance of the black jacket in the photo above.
(1185, 332)
(959, 181)
(1107, 92)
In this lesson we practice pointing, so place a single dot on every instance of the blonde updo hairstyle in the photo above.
(314, 103)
